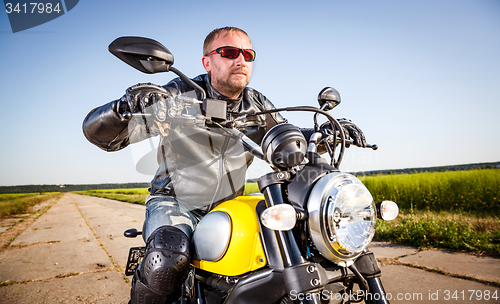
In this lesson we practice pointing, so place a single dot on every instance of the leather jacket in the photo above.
(201, 166)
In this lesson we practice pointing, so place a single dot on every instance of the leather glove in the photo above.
(140, 97)
(351, 131)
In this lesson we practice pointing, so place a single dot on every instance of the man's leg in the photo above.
(167, 229)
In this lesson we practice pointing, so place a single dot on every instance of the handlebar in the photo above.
(331, 141)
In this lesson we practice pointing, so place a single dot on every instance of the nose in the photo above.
(240, 60)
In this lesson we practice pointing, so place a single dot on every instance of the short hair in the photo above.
(228, 30)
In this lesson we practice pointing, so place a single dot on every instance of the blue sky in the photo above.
(421, 78)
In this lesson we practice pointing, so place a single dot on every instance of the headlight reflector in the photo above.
(342, 217)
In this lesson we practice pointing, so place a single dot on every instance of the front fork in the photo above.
(299, 274)
(377, 293)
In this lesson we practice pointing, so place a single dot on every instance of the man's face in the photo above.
(229, 76)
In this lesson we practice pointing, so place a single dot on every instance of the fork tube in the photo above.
(377, 292)
(290, 252)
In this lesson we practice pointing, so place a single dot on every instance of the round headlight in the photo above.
(342, 217)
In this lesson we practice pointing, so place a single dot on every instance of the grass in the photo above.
(475, 191)
(13, 204)
(134, 195)
(251, 188)
(447, 230)
(453, 210)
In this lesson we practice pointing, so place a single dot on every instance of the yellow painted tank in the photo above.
(240, 249)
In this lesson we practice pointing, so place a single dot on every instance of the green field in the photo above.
(19, 203)
(133, 195)
(475, 191)
(456, 209)
(447, 230)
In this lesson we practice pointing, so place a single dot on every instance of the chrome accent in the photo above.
(313, 142)
(341, 234)
(211, 237)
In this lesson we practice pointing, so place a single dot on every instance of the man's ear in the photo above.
(206, 63)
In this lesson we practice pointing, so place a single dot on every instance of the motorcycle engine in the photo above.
(342, 217)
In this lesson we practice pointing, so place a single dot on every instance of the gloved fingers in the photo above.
(143, 95)
(354, 132)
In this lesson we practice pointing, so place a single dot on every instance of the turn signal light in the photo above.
(387, 210)
(279, 217)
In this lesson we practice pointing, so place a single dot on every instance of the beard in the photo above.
(229, 86)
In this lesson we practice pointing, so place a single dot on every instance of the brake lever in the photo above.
(350, 142)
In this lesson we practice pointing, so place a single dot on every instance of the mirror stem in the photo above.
(190, 82)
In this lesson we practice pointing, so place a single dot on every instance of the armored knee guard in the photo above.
(165, 263)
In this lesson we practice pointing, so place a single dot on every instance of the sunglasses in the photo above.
(232, 52)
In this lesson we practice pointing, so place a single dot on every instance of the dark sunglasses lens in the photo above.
(249, 55)
(229, 52)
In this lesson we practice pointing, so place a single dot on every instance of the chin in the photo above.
(242, 83)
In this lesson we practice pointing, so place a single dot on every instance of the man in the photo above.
(198, 167)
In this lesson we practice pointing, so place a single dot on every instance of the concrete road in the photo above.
(76, 253)
(73, 253)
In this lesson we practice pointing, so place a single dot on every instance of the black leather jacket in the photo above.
(200, 166)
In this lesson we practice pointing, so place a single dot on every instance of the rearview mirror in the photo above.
(328, 98)
(146, 55)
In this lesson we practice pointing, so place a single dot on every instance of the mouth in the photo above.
(240, 73)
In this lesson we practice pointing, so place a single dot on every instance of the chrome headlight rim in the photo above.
(320, 206)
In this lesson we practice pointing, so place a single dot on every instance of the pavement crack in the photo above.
(33, 244)
(116, 267)
(396, 262)
(59, 276)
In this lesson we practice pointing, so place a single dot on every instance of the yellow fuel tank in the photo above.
(244, 252)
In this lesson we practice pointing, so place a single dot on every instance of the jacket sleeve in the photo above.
(273, 118)
(105, 128)
(111, 132)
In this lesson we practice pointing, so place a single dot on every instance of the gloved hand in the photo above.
(351, 131)
(142, 96)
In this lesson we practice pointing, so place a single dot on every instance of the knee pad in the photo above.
(166, 260)
(140, 293)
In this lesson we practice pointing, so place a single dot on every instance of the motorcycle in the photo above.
(304, 238)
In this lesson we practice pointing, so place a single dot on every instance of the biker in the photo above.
(192, 161)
